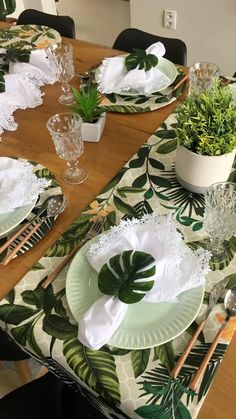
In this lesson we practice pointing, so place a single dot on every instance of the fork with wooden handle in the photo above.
(55, 205)
(213, 298)
(94, 231)
(230, 306)
(170, 90)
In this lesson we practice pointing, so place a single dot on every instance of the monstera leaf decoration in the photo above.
(16, 54)
(140, 59)
(125, 276)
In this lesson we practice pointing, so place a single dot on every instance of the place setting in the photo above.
(31, 199)
(24, 68)
(137, 285)
(139, 82)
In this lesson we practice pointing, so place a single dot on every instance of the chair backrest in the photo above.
(128, 39)
(65, 25)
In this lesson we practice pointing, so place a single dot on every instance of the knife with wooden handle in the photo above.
(215, 294)
(22, 229)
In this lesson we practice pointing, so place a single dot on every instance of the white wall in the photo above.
(48, 6)
(208, 27)
(98, 21)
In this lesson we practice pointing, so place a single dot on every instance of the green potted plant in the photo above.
(88, 106)
(7, 7)
(206, 138)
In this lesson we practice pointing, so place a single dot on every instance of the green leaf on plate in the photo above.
(14, 55)
(122, 276)
(141, 60)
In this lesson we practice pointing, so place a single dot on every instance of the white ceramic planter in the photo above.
(93, 132)
(196, 173)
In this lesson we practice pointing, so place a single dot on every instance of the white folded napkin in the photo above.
(178, 269)
(22, 87)
(19, 186)
(114, 78)
(38, 68)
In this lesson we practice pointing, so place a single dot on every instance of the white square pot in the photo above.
(93, 132)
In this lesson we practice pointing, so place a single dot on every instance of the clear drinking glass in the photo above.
(220, 216)
(201, 76)
(65, 129)
(61, 60)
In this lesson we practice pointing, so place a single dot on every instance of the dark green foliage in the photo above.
(87, 103)
(141, 60)
(7, 7)
(119, 276)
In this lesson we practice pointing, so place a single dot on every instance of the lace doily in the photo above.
(19, 186)
(178, 269)
(113, 76)
(22, 87)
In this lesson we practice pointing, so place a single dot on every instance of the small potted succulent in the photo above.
(87, 105)
(7, 7)
(206, 137)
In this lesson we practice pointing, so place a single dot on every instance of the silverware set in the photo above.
(51, 208)
(230, 306)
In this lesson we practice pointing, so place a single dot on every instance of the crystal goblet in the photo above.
(201, 76)
(61, 60)
(65, 129)
(220, 216)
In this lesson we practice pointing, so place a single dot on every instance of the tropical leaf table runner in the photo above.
(123, 383)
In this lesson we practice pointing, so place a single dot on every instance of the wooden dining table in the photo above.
(122, 137)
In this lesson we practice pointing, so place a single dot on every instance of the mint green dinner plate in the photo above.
(10, 220)
(164, 65)
(146, 324)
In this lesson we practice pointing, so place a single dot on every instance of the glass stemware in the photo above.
(220, 216)
(61, 60)
(65, 129)
(201, 76)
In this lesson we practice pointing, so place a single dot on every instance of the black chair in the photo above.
(47, 397)
(128, 39)
(65, 25)
(10, 351)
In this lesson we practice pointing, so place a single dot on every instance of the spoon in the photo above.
(230, 307)
(55, 206)
(85, 75)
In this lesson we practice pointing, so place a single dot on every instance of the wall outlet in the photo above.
(169, 19)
